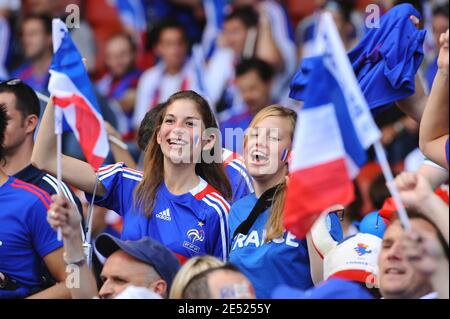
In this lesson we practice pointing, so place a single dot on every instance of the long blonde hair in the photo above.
(274, 226)
(191, 268)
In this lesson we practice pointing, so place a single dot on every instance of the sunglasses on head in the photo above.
(11, 82)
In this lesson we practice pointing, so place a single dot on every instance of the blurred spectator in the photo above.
(186, 12)
(120, 83)
(275, 43)
(7, 8)
(254, 79)
(347, 21)
(399, 279)
(440, 25)
(236, 28)
(81, 34)
(224, 282)
(37, 44)
(174, 71)
(261, 30)
(239, 29)
(191, 268)
(103, 18)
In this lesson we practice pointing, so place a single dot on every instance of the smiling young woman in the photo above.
(260, 246)
(179, 199)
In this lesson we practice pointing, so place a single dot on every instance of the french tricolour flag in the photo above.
(333, 131)
(73, 93)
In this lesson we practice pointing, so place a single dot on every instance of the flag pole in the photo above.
(386, 169)
(42, 97)
(58, 132)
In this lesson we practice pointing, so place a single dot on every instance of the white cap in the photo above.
(355, 258)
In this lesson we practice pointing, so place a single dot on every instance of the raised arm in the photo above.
(434, 125)
(266, 48)
(416, 192)
(63, 214)
(414, 105)
(75, 172)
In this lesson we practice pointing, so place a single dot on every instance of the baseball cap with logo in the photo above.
(146, 250)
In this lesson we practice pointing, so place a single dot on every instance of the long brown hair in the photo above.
(274, 226)
(213, 173)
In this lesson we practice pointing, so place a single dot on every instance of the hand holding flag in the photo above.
(74, 100)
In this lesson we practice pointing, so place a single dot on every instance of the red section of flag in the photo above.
(312, 190)
(87, 125)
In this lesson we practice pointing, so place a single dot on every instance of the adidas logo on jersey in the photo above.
(164, 215)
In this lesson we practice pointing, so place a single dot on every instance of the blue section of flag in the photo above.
(67, 60)
(321, 89)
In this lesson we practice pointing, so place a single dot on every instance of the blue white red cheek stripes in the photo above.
(196, 140)
(285, 154)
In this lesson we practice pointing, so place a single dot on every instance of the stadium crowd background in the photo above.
(250, 65)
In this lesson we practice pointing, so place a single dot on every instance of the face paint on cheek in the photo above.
(196, 140)
(285, 154)
(235, 291)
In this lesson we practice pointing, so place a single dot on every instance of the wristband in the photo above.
(78, 262)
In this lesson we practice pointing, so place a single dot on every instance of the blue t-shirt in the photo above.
(240, 179)
(26, 73)
(385, 61)
(191, 224)
(268, 265)
(48, 183)
(25, 236)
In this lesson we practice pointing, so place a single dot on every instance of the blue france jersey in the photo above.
(240, 179)
(25, 236)
(267, 265)
(191, 224)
